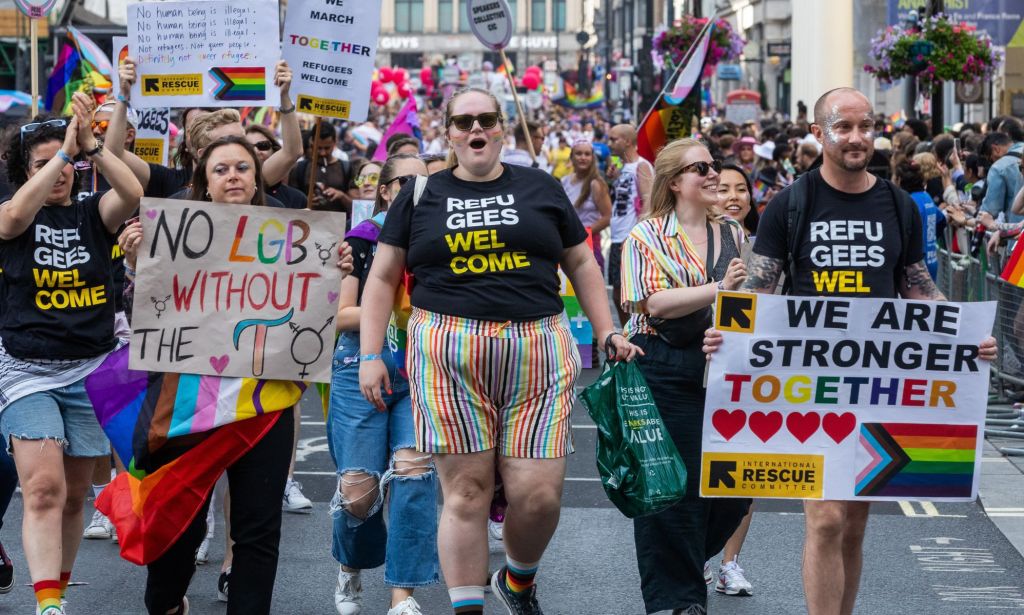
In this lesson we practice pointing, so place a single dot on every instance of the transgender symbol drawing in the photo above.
(312, 346)
(324, 254)
(260, 344)
(160, 305)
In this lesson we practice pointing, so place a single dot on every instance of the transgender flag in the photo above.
(406, 122)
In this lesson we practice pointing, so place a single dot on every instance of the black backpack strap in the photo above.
(906, 224)
(797, 218)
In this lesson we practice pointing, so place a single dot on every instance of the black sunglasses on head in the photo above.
(402, 180)
(30, 128)
(465, 121)
(702, 168)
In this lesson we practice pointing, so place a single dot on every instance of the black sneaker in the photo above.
(521, 604)
(222, 585)
(6, 571)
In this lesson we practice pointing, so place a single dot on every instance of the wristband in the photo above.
(94, 150)
(284, 111)
(128, 271)
(721, 285)
(608, 340)
(122, 98)
(63, 156)
(369, 357)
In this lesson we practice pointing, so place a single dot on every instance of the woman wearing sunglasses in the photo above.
(373, 451)
(492, 363)
(673, 264)
(57, 325)
(265, 143)
(365, 180)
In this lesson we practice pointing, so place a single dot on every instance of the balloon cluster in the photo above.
(532, 78)
(398, 78)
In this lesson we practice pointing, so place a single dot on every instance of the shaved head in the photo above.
(622, 139)
(835, 96)
(624, 131)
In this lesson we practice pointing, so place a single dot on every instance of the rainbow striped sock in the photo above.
(467, 600)
(47, 594)
(65, 578)
(518, 575)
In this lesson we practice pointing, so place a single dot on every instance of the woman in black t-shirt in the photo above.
(57, 326)
(491, 361)
(229, 172)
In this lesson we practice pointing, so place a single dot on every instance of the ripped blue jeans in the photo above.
(363, 443)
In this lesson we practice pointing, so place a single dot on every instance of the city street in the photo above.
(921, 558)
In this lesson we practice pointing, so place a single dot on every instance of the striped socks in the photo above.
(65, 578)
(47, 594)
(518, 575)
(467, 600)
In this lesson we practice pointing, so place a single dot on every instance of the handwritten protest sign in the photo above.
(235, 290)
(152, 128)
(845, 399)
(206, 53)
(331, 46)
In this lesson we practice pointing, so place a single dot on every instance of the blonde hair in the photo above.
(453, 161)
(667, 166)
(198, 130)
(928, 164)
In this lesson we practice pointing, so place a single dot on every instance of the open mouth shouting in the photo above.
(477, 143)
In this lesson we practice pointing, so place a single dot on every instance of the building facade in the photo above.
(414, 32)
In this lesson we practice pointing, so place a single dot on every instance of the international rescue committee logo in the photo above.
(762, 475)
(735, 312)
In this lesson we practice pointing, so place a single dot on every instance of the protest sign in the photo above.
(491, 22)
(204, 53)
(234, 290)
(362, 209)
(331, 46)
(152, 129)
(845, 399)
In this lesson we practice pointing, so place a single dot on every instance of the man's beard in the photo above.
(853, 166)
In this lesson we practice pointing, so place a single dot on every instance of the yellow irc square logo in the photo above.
(735, 312)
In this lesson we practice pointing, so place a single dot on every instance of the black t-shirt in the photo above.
(58, 288)
(289, 197)
(486, 250)
(362, 259)
(163, 182)
(852, 242)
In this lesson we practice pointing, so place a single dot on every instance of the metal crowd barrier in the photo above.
(966, 278)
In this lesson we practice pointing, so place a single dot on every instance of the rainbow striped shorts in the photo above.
(478, 385)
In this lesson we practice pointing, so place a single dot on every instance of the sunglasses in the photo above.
(702, 167)
(465, 122)
(101, 125)
(370, 179)
(263, 146)
(30, 128)
(402, 180)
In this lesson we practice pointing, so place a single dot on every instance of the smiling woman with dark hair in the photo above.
(56, 327)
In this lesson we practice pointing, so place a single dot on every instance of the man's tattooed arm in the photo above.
(917, 284)
(763, 273)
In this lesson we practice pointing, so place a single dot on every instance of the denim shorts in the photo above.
(63, 414)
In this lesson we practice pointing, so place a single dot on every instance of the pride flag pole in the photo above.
(33, 28)
(519, 107)
(675, 74)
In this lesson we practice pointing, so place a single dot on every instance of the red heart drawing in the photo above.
(220, 363)
(764, 425)
(838, 426)
(803, 426)
(728, 423)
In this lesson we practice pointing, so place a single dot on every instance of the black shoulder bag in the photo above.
(685, 330)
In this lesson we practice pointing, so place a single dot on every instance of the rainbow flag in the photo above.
(918, 460)
(669, 120)
(176, 433)
(81, 67)
(63, 82)
(575, 100)
(240, 82)
(1013, 272)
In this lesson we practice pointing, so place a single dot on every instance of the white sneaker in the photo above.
(496, 529)
(348, 594)
(293, 500)
(708, 575)
(731, 581)
(203, 552)
(99, 528)
(409, 606)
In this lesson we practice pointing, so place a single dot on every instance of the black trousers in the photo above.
(256, 484)
(672, 546)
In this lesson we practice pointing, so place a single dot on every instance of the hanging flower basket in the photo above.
(670, 45)
(936, 51)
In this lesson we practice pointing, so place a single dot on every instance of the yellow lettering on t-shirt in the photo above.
(473, 241)
(65, 299)
(489, 263)
(840, 281)
(116, 252)
(47, 278)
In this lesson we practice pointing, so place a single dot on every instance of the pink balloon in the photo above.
(530, 81)
(404, 89)
(385, 74)
(380, 97)
(533, 69)
(399, 75)
(426, 75)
